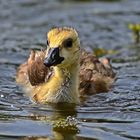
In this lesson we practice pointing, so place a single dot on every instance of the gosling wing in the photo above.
(95, 75)
(33, 72)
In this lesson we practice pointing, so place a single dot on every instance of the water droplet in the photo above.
(2, 96)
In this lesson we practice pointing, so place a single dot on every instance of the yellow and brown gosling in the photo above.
(63, 72)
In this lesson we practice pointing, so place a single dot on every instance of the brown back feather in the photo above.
(37, 71)
(33, 72)
(95, 76)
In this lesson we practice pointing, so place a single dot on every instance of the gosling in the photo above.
(64, 72)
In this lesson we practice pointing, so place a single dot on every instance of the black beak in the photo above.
(53, 58)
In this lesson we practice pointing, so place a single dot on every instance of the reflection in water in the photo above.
(63, 121)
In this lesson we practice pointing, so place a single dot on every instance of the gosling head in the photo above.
(63, 47)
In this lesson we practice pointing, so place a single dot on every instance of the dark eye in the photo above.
(68, 43)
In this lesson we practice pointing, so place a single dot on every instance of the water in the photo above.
(107, 116)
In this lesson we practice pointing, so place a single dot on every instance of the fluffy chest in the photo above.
(66, 92)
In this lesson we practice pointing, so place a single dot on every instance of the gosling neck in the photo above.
(69, 71)
(69, 76)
